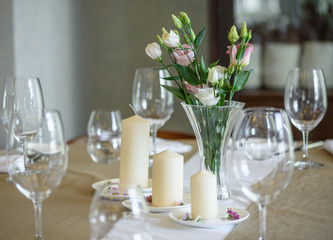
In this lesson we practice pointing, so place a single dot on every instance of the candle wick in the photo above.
(133, 109)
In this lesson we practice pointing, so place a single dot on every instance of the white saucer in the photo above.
(177, 215)
(96, 185)
(186, 199)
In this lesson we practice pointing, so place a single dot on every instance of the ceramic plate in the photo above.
(127, 204)
(178, 214)
(96, 185)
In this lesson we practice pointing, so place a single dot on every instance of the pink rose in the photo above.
(183, 57)
(245, 60)
(193, 89)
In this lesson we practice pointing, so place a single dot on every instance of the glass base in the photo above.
(307, 165)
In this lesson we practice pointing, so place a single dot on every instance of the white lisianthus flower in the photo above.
(170, 39)
(206, 96)
(215, 74)
(213, 77)
(154, 51)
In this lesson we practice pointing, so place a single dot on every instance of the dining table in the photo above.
(304, 210)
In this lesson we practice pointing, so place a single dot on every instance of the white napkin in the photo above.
(328, 145)
(3, 164)
(175, 146)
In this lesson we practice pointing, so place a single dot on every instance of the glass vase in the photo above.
(212, 126)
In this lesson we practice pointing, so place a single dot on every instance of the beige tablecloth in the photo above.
(66, 211)
(303, 211)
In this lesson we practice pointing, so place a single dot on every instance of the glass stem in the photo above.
(305, 135)
(25, 154)
(262, 218)
(38, 219)
(153, 132)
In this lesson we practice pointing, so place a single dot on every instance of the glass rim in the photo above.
(264, 109)
(235, 103)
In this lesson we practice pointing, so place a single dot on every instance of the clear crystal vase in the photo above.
(212, 126)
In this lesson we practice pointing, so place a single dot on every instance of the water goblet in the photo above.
(152, 101)
(305, 101)
(110, 220)
(263, 156)
(104, 131)
(38, 173)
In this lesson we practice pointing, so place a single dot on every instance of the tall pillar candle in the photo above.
(168, 172)
(203, 195)
(134, 153)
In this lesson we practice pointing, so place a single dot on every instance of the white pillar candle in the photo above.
(168, 172)
(134, 153)
(203, 195)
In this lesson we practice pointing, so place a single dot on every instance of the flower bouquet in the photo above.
(206, 91)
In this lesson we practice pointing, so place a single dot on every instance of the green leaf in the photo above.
(240, 80)
(188, 74)
(176, 91)
(173, 78)
(202, 65)
(214, 64)
(203, 71)
(199, 38)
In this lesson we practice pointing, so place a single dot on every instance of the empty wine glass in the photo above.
(263, 156)
(22, 103)
(38, 173)
(110, 220)
(305, 101)
(150, 100)
(104, 131)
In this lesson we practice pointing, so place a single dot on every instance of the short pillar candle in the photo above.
(203, 195)
(168, 174)
(134, 152)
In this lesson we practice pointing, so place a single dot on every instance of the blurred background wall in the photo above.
(86, 52)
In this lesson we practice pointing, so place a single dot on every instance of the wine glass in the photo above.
(305, 101)
(22, 103)
(110, 220)
(38, 172)
(152, 101)
(263, 156)
(104, 131)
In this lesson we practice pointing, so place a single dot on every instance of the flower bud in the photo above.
(192, 35)
(184, 18)
(159, 39)
(249, 35)
(177, 22)
(154, 51)
(164, 30)
(233, 35)
(243, 33)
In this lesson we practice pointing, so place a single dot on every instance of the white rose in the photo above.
(206, 96)
(170, 39)
(153, 50)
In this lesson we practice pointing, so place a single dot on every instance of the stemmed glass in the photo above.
(305, 101)
(150, 100)
(38, 173)
(22, 103)
(110, 220)
(263, 156)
